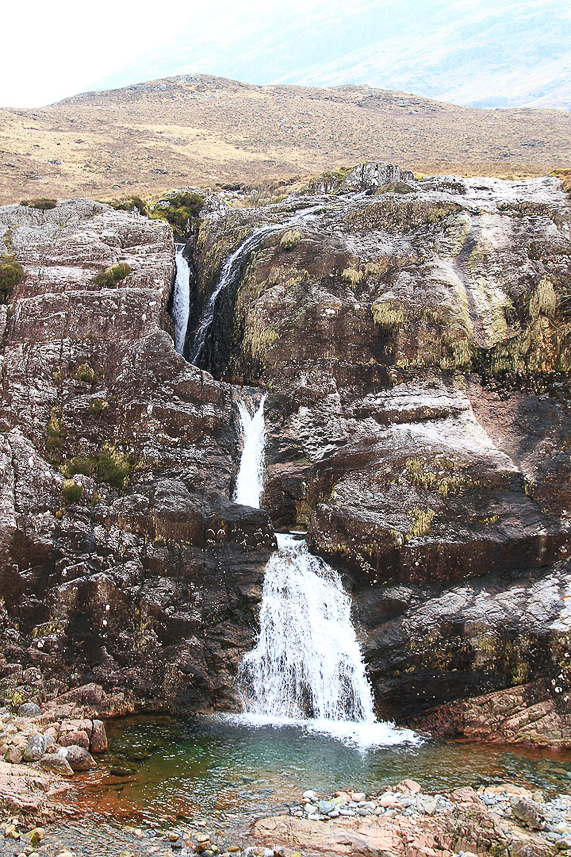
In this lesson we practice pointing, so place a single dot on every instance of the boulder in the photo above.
(56, 764)
(98, 737)
(78, 758)
(35, 748)
(13, 755)
(29, 709)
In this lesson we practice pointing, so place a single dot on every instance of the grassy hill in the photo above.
(203, 130)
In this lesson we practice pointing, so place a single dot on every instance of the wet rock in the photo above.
(78, 758)
(98, 737)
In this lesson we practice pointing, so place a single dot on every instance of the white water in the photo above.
(250, 481)
(230, 271)
(181, 299)
(307, 668)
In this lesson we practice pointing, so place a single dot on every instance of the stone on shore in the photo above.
(78, 758)
(56, 764)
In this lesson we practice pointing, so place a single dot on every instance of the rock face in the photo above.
(121, 558)
(414, 340)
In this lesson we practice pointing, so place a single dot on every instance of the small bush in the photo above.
(352, 277)
(84, 464)
(85, 373)
(98, 406)
(71, 492)
(11, 273)
(111, 276)
(290, 239)
(16, 700)
(180, 211)
(113, 467)
(55, 433)
(40, 204)
(108, 465)
(130, 203)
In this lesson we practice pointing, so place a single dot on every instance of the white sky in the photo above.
(54, 49)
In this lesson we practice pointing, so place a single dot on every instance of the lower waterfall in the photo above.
(307, 667)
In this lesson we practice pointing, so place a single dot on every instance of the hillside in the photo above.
(203, 130)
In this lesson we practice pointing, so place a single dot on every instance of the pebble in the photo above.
(310, 795)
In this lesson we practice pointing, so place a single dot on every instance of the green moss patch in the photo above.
(108, 465)
(71, 492)
(42, 204)
(111, 276)
(11, 273)
(290, 239)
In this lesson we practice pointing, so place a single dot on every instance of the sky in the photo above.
(478, 52)
(64, 46)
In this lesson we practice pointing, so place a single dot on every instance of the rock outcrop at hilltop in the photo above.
(414, 340)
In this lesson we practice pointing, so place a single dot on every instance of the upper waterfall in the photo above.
(250, 480)
(181, 299)
(231, 270)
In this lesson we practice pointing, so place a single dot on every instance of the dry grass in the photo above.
(207, 131)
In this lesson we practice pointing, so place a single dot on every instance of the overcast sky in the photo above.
(54, 49)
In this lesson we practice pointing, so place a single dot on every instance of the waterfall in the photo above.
(306, 667)
(181, 299)
(250, 481)
(230, 272)
(307, 661)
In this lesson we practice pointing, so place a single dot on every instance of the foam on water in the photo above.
(364, 735)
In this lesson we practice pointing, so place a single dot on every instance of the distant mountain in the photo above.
(509, 53)
(203, 130)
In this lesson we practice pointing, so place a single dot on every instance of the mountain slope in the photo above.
(510, 54)
(201, 130)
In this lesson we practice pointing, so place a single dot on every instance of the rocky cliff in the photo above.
(414, 341)
(122, 559)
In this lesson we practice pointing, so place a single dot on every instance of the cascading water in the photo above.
(230, 271)
(307, 661)
(250, 481)
(307, 667)
(181, 299)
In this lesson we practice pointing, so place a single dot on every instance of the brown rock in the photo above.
(67, 739)
(56, 764)
(13, 755)
(78, 758)
(98, 737)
